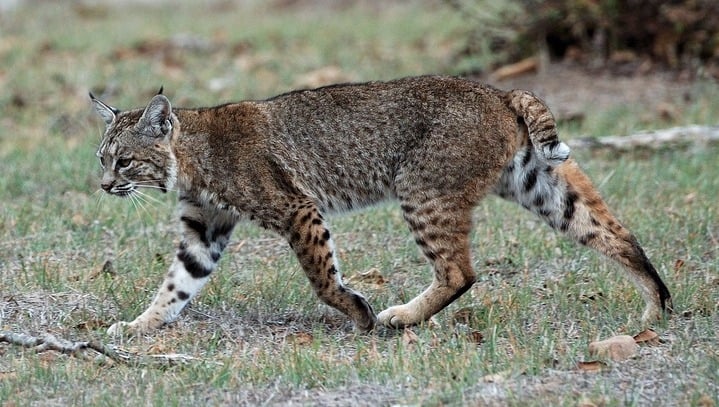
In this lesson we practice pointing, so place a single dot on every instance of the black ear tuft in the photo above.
(159, 92)
(107, 112)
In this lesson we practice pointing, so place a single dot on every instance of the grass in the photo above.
(259, 332)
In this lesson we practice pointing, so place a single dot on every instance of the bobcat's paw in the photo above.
(119, 329)
(133, 328)
(398, 316)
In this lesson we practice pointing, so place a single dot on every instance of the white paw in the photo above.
(396, 317)
(118, 328)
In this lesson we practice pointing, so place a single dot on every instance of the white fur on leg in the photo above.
(175, 292)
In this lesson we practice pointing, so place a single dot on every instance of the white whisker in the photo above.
(148, 199)
(100, 194)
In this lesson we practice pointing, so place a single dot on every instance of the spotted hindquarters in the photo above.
(564, 197)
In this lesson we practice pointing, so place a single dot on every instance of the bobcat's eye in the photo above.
(123, 162)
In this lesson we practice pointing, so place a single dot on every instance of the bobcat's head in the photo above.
(135, 149)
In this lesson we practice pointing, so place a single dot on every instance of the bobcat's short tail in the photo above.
(540, 124)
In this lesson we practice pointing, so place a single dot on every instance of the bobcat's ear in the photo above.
(107, 112)
(158, 116)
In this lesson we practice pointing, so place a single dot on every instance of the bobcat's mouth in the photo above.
(122, 191)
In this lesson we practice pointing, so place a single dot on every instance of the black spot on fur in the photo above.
(415, 225)
(198, 227)
(183, 296)
(430, 255)
(221, 230)
(527, 157)
(569, 201)
(539, 201)
(326, 235)
(316, 221)
(281, 177)
(587, 238)
(170, 287)
(194, 267)
(530, 180)
(406, 208)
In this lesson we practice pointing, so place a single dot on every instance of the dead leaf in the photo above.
(322, 76)
(49, 358)
(79, 220)
(498, 377)
(7, 375)
(591, 366)
(92, 324)
(585, 402)
(527, 65)
(300, 338)
(616, 348)
(667, 111)
(372, 276)
(705, 401)
(475, 337)
(678, 264)
(159, 348)
(463, 315)
(647, 337)
(409, 337)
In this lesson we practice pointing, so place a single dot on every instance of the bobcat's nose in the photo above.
(107, 185)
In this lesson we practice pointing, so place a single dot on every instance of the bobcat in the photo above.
(436, 144)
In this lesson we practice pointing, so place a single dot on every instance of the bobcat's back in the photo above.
(351, 145)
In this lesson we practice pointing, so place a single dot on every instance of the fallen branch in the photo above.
(654, 139)
(50, 342)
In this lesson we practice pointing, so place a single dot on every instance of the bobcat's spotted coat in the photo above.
(436, 144)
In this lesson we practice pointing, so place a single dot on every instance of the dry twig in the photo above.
(652, 139)
(50, 342)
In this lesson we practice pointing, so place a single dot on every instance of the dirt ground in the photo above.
(572, 91)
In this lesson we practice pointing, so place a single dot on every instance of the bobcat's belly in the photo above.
(352, 192)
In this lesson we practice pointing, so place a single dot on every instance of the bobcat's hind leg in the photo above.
(441, 231)
(205, 233)
(312, 243)
(564, 197)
